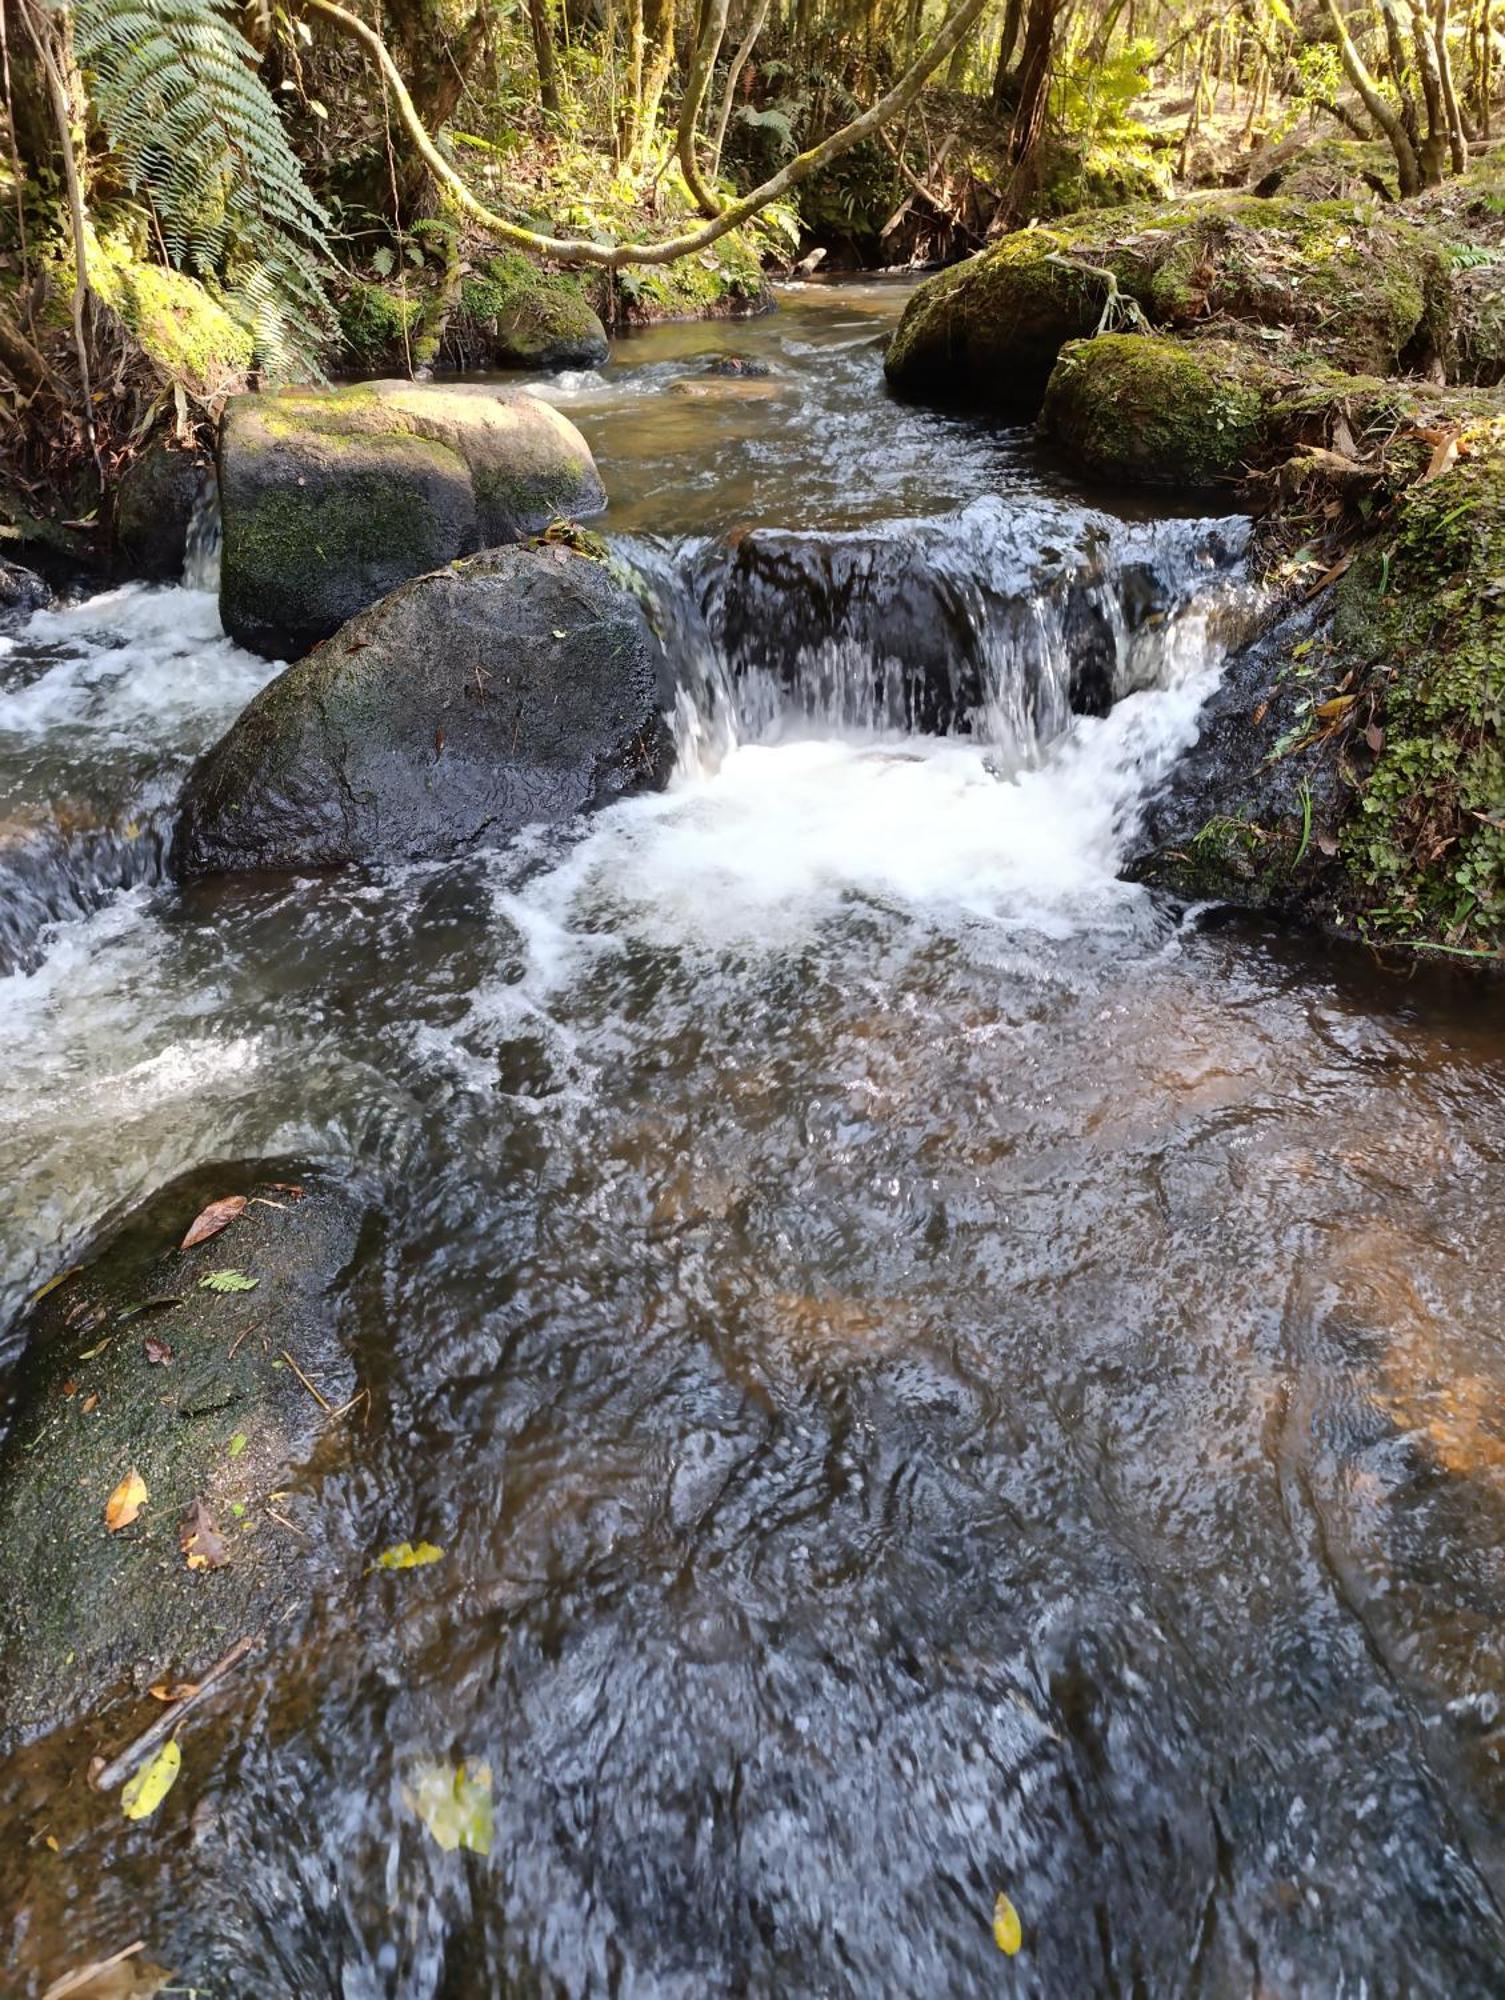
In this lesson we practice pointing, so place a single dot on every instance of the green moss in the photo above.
(512, 313)
(1144, 410)
(377, 325)
(722, 281)
(1420, 625)
(181, 327)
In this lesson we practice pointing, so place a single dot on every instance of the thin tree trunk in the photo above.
(1034, 80)
(734, 77)
(1013, 18)
(708, 40)
(1457, 135)
(543, 51)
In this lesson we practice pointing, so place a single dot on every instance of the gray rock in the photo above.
(331, 498)
(154, 504)
(22, 591)
(86, 1607)
(519, 686)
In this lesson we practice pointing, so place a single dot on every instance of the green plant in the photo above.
(197, 133)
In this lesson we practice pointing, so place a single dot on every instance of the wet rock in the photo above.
(513, 314)
(203, 1412)
(331, 498)
(737, 364)
(158, 493)
(519, 686)
(725, 389)
(22, 591)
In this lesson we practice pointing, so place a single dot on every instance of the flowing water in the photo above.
(935, 1372)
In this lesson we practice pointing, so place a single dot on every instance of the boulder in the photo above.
(513, 314)
(154, 504)
(516, 687)
(132, 1364)
(1363, 288)
(333, 497)
(22, 592)
(1141, 410)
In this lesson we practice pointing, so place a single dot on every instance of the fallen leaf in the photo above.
(70, 1387)
(406, 1556)
(1008, 1934)
(157, 1350)
(151, 1784)
(228, 1281)
(199, 1539)
(159, 1304)
(1374, 736)
(90, 1402)
(1331, 710)
(126, 1502)
(93, 1353)
(53, 1283)
(211, 1220)
(172, 1690)
(1443, 456)
(287, 1188)
(121, 1976)
(454, 1803)
(238, 1444)
(54, 1843)
(1261, 710)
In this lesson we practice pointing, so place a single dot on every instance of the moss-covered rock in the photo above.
(1331, 168)
(181, 328)
(1143, 410)
(516, 688)
(132, 1364)
(1361, 288)
(1353, 771)
(331, 498)
(723, 282)
(154, 503)
(514, 314)
(378, 325)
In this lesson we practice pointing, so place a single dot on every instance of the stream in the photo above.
(936, 1372)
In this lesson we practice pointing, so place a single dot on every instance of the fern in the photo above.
(196, 131)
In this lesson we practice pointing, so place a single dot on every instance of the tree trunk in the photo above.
(1008, 41)
(1457, 135)
(1386, 120)
(1034, 80)
(543, 52)
(708, 39)
(734, 77)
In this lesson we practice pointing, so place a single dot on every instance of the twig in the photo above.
(122, 1766)
(291, 1526)
(235, 1344)
(322, 1401)
(360, 1396)
(71, 1981)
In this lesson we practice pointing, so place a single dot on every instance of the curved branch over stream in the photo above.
(614, 257)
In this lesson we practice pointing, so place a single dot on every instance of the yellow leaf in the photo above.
(1007, 1934)
(454, 1803)
(1339, 705)
(126, 1502)
(406, 1556)
(152, 1782)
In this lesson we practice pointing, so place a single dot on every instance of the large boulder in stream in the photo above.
(516, 687)
(1364, 289)
(333, 497)
(136, 1364)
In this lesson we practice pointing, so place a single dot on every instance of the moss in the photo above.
(1145, 410)
(1361, 288)
(1419, 634)
(720, 282)
(180, 326)
(377, 325)
(515, 314)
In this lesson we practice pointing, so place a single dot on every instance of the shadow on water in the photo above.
(934, 1373)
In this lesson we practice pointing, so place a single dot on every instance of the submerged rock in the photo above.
(331, 498)
(516, 687)
(132, 1364)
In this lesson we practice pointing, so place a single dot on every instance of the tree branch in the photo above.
(614, 257)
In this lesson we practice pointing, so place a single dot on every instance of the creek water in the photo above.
(935, 1371)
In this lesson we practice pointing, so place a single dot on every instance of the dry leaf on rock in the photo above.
(151, 1784)
(408, 1555)
(211, 1220)
(199, 1539)
(157, 1349)
(126, 1502)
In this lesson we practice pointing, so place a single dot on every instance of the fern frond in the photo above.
(197, 132)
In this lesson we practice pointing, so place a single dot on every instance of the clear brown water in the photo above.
(935, 1372)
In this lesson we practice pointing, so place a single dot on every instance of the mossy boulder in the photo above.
(379, 326)
(183, 330)
(1143, 410)
(514, 314)
(725, 281)
(1329, 168)
(331, 498)
(1356, 774)
(131, 1364)
(518, 687)
(1360, 287)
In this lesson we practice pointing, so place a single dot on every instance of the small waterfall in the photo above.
(202, 547)
(68, 864)
(998, 622)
